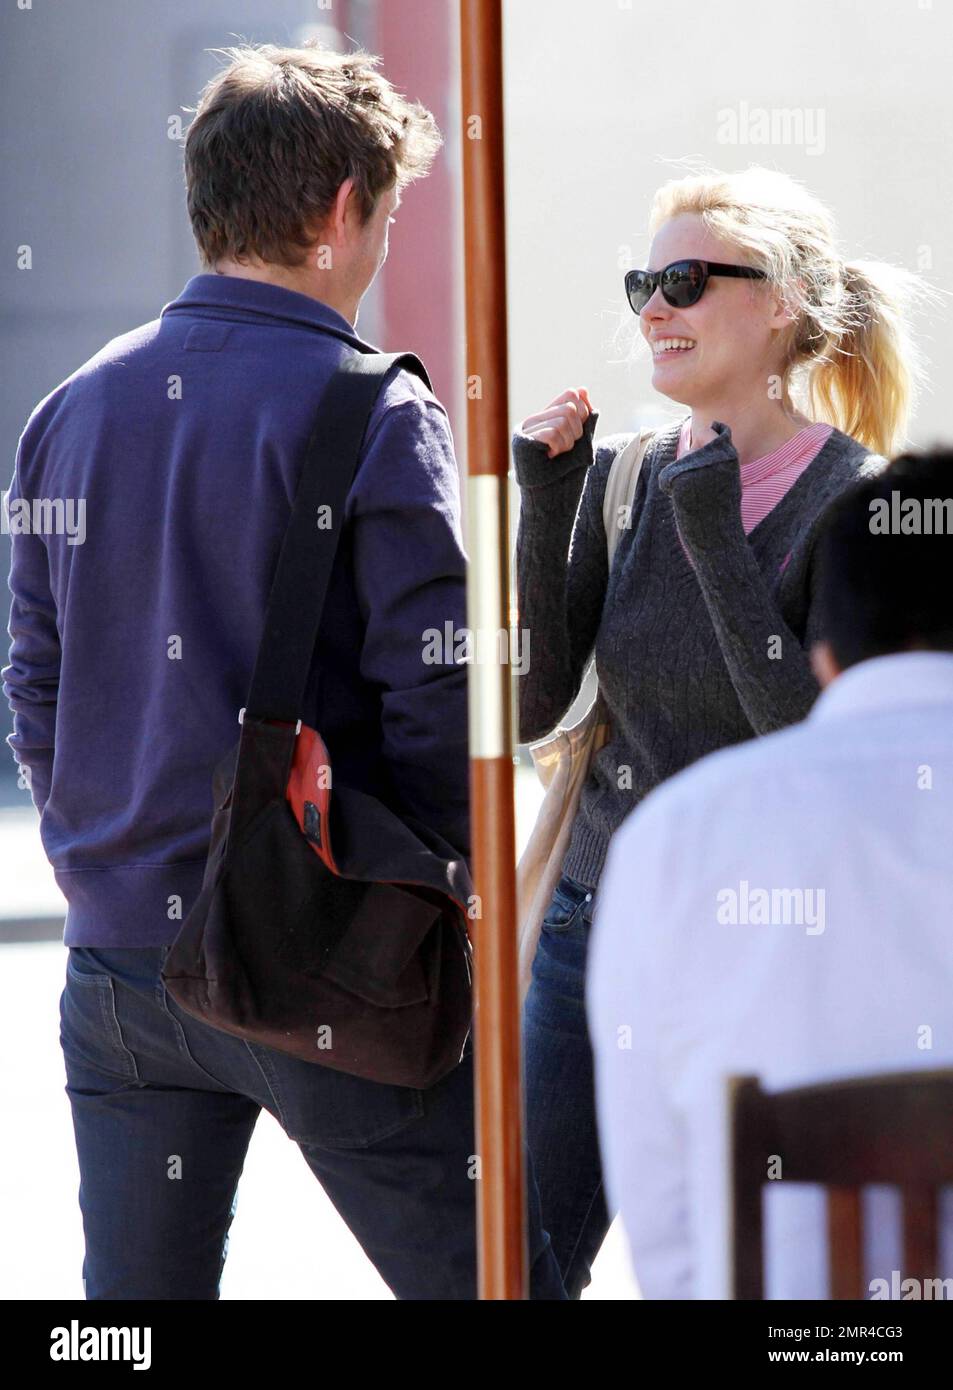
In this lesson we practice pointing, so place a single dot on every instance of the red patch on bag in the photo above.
(309, 792)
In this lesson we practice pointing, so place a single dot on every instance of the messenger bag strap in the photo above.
(299, 588)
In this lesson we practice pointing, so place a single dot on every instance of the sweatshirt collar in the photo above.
(229, 296)
(883, 683)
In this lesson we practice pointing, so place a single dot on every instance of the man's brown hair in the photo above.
(277, 132)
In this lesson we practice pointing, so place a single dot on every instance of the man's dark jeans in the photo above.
(163, 1111)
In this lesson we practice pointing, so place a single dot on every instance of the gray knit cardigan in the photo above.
(694, 651)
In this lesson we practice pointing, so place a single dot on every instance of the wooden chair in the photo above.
(895, 1129)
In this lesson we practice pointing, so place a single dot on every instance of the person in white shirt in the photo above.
(784, 909)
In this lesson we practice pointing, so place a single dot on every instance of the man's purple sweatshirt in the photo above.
(132, 651)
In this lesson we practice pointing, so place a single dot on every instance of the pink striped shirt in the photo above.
(765, 480)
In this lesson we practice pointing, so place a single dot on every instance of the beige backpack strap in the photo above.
(549, 752)
(620, 487)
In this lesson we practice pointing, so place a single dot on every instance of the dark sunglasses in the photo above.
(682, 283)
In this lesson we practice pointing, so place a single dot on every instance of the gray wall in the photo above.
(604, 98)
(93, 184)
(92, 181)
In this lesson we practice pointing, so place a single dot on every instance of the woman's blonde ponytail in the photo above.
(864, 377)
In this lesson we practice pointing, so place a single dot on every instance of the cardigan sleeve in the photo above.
(562, 569)
(769, 668)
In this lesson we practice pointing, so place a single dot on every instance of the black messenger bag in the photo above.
(328, 925)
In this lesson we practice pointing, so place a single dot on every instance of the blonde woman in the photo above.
(797, 377)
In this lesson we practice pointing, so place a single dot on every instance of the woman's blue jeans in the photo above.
(560, 1094)
(163, 1110)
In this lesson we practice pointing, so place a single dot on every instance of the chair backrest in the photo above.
(895, 1129)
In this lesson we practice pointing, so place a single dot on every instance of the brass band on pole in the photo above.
(501, 1217)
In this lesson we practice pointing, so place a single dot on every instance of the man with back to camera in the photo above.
(132, 654)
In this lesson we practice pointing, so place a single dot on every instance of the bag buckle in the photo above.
(241, 720)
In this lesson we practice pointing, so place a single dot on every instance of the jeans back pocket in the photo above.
(90, 1034)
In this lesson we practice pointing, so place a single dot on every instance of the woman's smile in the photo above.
(664, 349)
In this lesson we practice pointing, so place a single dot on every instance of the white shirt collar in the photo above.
(900, 680)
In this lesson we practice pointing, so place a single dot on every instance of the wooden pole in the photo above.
(501, 1213)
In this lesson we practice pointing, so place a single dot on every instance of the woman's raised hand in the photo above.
(560, 424)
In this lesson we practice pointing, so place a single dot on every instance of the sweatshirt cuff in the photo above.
(705, 482)
(534, 468)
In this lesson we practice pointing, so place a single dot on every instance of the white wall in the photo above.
(602, 97)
